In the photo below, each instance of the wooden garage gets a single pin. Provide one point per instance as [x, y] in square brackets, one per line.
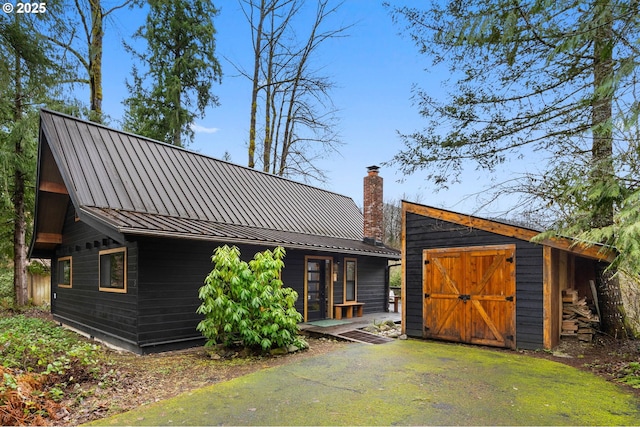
[479, 281]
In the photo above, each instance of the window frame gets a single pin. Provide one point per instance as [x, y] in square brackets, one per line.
[58, 270]
[101, 288]
[346, 280]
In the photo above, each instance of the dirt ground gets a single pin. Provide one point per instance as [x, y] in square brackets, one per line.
[129, 380]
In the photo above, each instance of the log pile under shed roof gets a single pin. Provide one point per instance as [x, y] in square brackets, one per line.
[577, 318]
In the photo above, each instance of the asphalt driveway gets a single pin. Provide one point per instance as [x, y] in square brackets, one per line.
[404, 383]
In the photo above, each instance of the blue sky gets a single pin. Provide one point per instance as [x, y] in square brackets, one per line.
[374, 69]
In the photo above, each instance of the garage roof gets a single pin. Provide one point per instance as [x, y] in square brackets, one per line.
[592, 251]
[126, 184]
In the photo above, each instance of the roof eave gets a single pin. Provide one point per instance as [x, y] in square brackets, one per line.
[596, 252]
[236, 240]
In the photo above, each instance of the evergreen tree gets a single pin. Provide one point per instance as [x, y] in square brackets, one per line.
[535, 76]
[27, 74]
[180, 67]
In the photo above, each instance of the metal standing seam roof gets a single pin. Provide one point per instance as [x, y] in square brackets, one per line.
[140, 186]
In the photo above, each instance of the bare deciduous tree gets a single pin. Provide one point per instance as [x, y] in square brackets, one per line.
[288, 94]
[87, 45]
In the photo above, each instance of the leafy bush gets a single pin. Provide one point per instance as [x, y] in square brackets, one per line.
[246, 303]
[38, 268]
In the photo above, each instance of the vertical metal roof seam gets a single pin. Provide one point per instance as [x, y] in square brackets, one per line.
[50, 133]
[110, 171]
[269, 190]
[270, 213]
[57, 151]
[123, 174]
[148, 202]
[239, 198]
[168, 180]
[181, 186]
[90, 168]
[296, 195]
[154, 175]
[248, 195]
[202, 196]
[214, 196]
[224, 194]
[191, 178]
[75, 167]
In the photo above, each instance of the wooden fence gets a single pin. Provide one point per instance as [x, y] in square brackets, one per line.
[39, 288]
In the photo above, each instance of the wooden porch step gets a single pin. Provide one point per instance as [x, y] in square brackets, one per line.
[364, 337]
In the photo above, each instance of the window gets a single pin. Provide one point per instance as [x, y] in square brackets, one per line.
[64, 272]
[350, 279]
[113, 270]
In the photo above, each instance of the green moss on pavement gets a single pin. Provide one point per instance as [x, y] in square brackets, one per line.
[405, 382]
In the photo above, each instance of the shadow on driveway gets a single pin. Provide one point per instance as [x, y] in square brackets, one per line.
[404, 382]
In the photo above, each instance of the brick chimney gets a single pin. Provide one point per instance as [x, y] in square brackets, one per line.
[373, 225]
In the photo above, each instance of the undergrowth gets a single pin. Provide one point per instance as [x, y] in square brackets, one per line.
[39, 361]
[631, 375]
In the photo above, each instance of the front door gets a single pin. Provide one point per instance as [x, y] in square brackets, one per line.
[318, 288]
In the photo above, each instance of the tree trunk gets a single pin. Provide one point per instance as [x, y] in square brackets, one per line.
[19, 226]
[95, 60]
[602, 173]
[19, 233]
[257, 52]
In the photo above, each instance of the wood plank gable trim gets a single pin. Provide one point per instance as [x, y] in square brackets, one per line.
[589, 251]
[49, 238]
[53, 187]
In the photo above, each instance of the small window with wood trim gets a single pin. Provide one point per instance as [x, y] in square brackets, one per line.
[64, 272]
[112, 270]
[350, 280]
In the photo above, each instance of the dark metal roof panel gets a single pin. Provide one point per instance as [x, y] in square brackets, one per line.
[127, 222]
[115, 170]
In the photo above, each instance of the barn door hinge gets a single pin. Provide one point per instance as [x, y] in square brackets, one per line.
[510, 259]
[426, 261]
[509, 298]
[464, 298]
[426, 328]
[427, 295]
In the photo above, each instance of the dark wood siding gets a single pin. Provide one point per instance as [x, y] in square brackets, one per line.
[429, 233]
[158, 311]
[172, 271]
[105, 315]
[371, 284]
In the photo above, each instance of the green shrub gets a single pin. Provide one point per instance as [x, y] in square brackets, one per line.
[246, 303]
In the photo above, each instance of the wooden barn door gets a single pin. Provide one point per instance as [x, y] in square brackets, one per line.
[469, 295]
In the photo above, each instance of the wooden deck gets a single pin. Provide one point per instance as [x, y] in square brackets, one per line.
[349, 329]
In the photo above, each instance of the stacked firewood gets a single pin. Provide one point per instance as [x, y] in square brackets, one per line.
[577, 318]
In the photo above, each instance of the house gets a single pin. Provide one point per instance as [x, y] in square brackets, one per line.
[480, 281]
[130, 225]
